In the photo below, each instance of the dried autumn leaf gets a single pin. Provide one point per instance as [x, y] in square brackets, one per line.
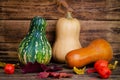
[43, 75]
[90, 70]
[37, 67]
[113, 66]
[54, 75]
[64, 75]
[79, 71]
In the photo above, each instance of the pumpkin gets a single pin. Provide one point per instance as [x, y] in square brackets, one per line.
[67, 37]
[35, 46]
[96, 50]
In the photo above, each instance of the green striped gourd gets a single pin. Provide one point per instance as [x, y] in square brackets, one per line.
[35, 46]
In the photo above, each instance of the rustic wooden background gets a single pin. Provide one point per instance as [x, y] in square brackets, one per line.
[98, 18]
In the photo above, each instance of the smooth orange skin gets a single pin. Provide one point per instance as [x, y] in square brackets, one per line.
[98, 49]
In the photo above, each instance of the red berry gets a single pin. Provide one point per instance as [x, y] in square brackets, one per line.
[100, 63]
[101, 67]
[104, 72]
[9, 68]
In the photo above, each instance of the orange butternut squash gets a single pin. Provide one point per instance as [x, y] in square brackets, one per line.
[97, 49]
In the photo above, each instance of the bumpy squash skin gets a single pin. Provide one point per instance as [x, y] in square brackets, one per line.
[98, 49]
[35, 46]
[67, 38]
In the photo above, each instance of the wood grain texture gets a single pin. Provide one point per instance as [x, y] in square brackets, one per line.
[13, 31]
[83, 9]
[98, 18]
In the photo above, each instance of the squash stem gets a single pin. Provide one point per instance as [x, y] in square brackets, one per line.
[69, 16]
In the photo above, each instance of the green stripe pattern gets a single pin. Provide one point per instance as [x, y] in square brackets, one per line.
[35, 46]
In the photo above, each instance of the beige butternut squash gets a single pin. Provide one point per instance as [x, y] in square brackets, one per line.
[67, 37]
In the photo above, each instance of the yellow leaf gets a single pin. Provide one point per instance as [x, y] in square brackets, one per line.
[113, 66]
[79, 71]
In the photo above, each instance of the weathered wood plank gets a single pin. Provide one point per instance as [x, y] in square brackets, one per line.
[83, 9]
[9, 46]
[13, 31]
[9, 28]
[9, 52]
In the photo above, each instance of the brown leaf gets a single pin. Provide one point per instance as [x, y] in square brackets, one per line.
[43, 75]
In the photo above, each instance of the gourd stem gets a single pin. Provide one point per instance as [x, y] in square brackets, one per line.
[69, 16]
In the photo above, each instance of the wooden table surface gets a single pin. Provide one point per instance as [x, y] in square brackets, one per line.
[33, 76]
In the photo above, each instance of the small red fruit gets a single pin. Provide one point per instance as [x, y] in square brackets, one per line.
[100, 63]
[101, 66]
[9, 68]
[104, 72]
